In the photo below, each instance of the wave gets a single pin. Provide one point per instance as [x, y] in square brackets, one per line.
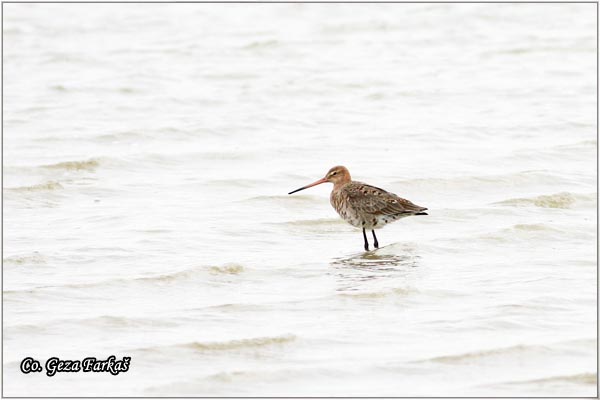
[28, 259]
[120, 321]
[475, 355]
[478, 182]
[520, 232]
[315, 222]
[183, 275]
[533, 228]
[228, 269]
[586, 378]
[231, 76]
[579, 385]
[378, 295]
[319, 226]
[557, 200]
[239, 344]
[237, 183]
[285, 198]
[244, 380]
[166, 278]
[261, 44]
[86, 165]
[284, 201]
[389, 257]
[362, 27]
[103, 321]
[591, 144]
[120, 136]
[231, 269]
[52, 185]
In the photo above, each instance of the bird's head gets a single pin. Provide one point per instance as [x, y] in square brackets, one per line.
[337, 175]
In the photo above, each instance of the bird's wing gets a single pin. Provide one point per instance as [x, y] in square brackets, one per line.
[376, 201]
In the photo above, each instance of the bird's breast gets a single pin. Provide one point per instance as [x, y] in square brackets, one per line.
[341, 203]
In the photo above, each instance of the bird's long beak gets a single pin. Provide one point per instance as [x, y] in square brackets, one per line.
[322, 180]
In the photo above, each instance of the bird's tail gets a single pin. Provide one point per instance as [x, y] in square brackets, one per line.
[422, 211]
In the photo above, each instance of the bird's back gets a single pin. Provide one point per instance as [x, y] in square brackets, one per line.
[367, 206]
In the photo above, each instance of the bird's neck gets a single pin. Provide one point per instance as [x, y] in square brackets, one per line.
[339, 185]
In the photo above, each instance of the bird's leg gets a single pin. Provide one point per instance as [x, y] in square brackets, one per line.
[366, 242]
[376, 243]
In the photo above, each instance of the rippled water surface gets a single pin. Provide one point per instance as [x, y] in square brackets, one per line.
[149, 149]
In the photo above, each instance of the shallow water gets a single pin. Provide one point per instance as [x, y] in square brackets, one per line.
[148, 150]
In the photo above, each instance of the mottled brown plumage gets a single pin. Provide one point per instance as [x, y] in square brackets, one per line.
[365, 206]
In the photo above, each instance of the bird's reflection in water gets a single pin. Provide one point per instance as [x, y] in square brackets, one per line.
[374, 270]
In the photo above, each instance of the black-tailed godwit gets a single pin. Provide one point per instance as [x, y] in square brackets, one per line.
[364, 206]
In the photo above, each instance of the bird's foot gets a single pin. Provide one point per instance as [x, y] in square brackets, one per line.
[375, 241]
[366, 247]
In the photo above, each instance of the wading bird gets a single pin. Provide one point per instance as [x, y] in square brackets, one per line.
[364, 206]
